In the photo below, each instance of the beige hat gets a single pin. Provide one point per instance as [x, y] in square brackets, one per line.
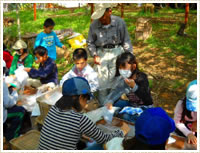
[100, 9]
[20, 44]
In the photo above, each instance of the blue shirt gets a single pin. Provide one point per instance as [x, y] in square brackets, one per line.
[49, 41]
[47, 72]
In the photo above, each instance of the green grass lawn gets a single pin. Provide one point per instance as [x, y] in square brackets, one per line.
[163, 36]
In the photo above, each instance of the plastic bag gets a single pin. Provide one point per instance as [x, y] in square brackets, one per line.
[21, 76]
[97, 114]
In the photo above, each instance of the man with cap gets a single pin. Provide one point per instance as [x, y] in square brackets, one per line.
[21, 58]
[64, 123]
[185, 114]
[108, 37]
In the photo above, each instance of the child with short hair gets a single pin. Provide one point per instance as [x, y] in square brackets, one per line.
[21, 58]
[185, 113]
[49, 39]
[47, 71]
[82, 69]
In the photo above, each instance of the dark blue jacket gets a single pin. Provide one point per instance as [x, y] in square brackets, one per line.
[47, 72]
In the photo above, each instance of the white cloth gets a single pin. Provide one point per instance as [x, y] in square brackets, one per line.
[88, 73]
[41, 87]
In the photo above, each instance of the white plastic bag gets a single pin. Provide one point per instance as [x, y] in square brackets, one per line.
[21, 76]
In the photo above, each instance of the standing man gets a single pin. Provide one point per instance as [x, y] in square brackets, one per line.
[108, 37]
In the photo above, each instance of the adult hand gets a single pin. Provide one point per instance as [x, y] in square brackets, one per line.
[27, 69]
[97, 60]
[130, 82]
[125, 128]
[64, 47]
[109, 106]
[192, 139]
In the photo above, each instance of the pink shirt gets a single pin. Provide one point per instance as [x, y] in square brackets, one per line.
[177, 118]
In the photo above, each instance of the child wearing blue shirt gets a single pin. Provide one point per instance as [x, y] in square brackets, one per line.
[47, 72]
[49, 39]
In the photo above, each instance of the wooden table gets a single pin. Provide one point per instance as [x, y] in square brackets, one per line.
[180, 144]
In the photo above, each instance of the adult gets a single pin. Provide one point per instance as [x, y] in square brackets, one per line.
[108, 37]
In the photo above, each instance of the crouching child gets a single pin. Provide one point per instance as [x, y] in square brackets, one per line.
[47, 72]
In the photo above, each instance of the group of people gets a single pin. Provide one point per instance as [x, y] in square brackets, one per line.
[117, 80]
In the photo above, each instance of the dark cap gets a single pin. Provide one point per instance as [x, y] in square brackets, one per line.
[76, 86]
[154, 126]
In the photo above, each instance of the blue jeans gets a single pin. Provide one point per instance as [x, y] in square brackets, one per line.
[95, 146]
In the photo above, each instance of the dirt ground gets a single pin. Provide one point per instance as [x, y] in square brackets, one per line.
[164, 72]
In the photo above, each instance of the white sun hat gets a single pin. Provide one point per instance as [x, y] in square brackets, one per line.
[100, 9]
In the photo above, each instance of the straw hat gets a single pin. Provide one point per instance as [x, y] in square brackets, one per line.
[100, 9]
[20, 44]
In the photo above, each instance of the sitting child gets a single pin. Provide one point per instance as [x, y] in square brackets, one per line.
[12, 114]
[49, 39]
[185, 113]
[64, 123]
[152, 130]
[132, 83]
[22, 57]
[82, 69]
[47, 71]
[7, 57]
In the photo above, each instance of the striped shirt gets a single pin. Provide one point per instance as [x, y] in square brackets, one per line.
[63, 129]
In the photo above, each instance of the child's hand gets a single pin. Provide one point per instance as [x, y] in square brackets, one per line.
[27, 69]
[192, 139]
[64, 47]
[130, 82]
[109, 106]
[125, 128]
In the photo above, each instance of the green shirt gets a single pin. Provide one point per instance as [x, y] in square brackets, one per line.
[27, 62]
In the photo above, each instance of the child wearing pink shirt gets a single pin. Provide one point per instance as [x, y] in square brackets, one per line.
[186, 113]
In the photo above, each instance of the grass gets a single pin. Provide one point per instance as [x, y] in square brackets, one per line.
[163, 36]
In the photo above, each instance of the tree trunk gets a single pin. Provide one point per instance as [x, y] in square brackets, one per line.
[186, 13]
[183, 26]
[92, 9]
[18, 21]
[176, 5]
[34, 6]
[122, 10]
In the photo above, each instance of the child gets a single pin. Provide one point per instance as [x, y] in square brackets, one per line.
[21, 58]
[186, 113]
[64, 123]
[7, 57]
[12, 114]
[49, 39]
[152, 130]
[47, 71]
[82, 69]
[131, 82]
